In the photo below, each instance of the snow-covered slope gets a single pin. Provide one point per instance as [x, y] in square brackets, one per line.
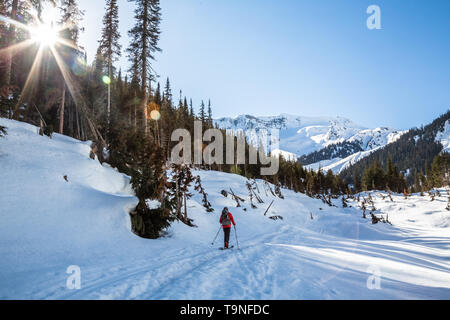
[304, 135]
[337, 164]
[298, 135]
[49, 224]
[443, 136]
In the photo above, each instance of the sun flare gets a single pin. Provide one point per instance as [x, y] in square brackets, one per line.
[45, 35]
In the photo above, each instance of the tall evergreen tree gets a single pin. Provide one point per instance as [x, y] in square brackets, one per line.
[168, 93]
[202, 114]
[10, 41]
[191, 109]
[71, 17]
[440, 172]
[210, 121]
[144, 45]
[109, 43]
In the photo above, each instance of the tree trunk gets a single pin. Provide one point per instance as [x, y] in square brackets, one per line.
[145, 112]
[83, 131]
[71, 132]
[178, 200]
[61, 114]
[185, 206]
[11, 40]
[109, 92]
[77, 123]
[135, 111]
[144, 66]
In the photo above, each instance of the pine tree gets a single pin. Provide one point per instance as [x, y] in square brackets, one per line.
[109, 43]
[71, 17]
[144, 45]
[168, 98]
[157, 97]
[182, 179]
[199, 188]
[209, 120]
[202, 114]
[11, 40]
[440, 171]
[191, 109]
[417, 186]
[185, 110]
[168, 116]
[356, 180]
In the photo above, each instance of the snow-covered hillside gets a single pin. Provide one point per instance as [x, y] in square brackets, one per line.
[443, 136]
[298, 135]
[337, 164]
[314, 252]
[304, 135]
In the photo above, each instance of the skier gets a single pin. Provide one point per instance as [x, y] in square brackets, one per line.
[226, 219]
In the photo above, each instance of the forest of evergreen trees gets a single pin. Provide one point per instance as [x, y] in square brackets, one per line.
[338, 150]
[127, 114]
[414, 163]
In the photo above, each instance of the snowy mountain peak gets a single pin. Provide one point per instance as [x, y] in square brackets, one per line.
[282, 122]
[300, 136]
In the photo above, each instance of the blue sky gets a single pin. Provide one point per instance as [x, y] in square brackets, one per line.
[304, 57]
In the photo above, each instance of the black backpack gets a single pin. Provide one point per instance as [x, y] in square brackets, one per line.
[225, 218]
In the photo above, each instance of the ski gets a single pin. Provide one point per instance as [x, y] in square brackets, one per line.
[222, 248]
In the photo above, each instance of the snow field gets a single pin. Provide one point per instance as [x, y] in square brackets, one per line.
[49, 224]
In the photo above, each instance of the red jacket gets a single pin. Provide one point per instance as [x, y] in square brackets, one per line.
[230, 216]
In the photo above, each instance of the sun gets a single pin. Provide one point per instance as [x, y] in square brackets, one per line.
[45, 35]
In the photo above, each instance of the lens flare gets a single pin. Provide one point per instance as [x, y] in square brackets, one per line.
[155, 115]
[45, 35]
[106, 80]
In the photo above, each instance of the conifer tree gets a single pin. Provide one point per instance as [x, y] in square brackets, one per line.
[109, 43]
[144, 45]
[417, 187]
[157, 97]
[199, 188]
[191, 109]
[10, 41]
[168, 93]
[356, 180]
[440, 171]
[202, 114]
[210, 121]
[71, 17]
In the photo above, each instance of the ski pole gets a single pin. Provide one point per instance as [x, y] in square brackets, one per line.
[216, 237]
[235, 233]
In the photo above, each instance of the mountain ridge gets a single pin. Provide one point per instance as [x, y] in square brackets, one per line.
[304, 137]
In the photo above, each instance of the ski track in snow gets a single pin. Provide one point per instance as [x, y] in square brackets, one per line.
[49, 224]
